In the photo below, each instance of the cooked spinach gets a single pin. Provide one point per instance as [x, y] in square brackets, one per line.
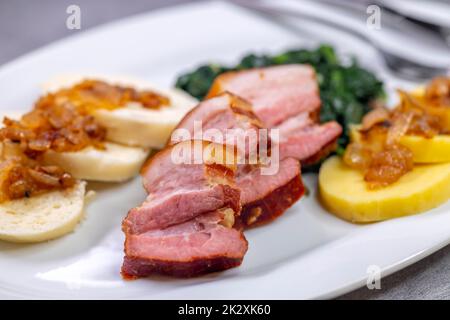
[346, 90]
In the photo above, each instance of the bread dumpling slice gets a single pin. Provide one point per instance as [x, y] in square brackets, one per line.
[133, 124]
[115, 163]
[42, 217]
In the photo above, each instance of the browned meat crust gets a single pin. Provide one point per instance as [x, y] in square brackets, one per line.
[273, 205]
[133, 268]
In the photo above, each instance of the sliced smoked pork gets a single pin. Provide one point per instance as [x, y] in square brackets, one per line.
[276, 93]
[263, 197]
[285, 97]
[302, 139]
[186, 226]
[178, 192]
[226, 114]
[198, 246]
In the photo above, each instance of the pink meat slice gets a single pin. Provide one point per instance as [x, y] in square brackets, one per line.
[188, 249]
[180, 192]
[178, 207]
[227, 116]
[301, 138]
[309, 141]
[255, 186]
[276, 93]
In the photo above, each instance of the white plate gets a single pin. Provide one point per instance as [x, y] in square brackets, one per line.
[307, 253]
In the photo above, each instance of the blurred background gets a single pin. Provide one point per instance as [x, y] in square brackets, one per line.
[26, 25]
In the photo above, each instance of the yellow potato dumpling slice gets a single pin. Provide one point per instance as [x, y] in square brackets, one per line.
[425, 150]
[434, 150]
[344, 192]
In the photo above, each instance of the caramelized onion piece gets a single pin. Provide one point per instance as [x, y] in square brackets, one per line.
[357, 156]
[19, 179]
[389, 165]
[377, 115]
[40, 144]
[43, 178]
[399, 126]
[438, 92]
[428, 120]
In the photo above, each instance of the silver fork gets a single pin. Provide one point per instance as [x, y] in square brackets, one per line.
[399, 62]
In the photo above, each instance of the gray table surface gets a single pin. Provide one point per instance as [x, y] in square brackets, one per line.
[26, 25]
